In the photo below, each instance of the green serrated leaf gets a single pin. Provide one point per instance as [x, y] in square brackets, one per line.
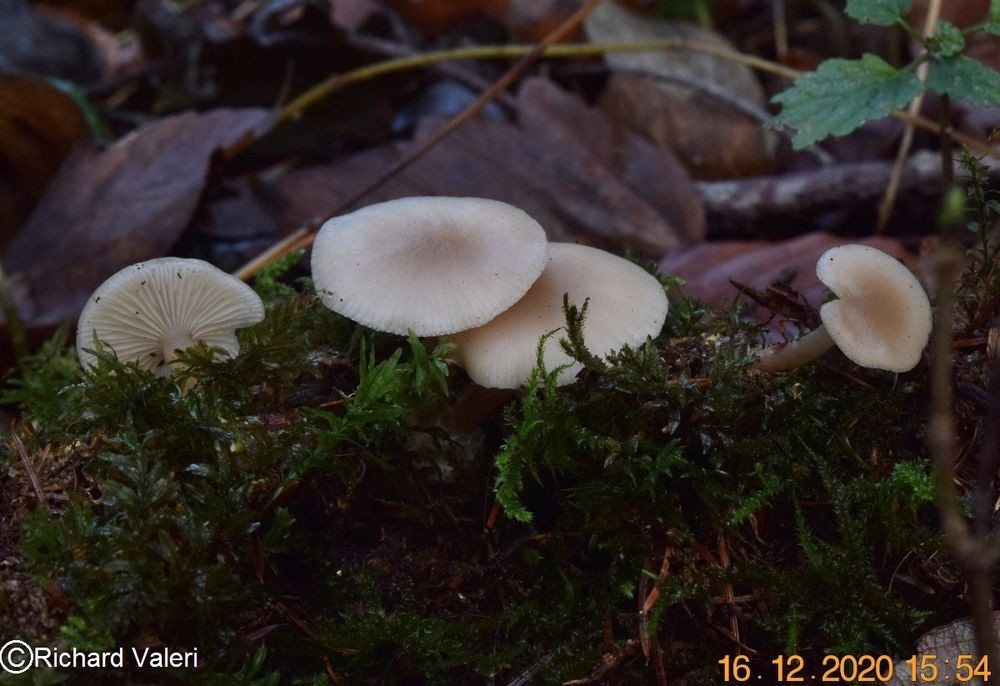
[881, 12]
[994, 25]
[948, 41]
[964, 78]
[841, 95]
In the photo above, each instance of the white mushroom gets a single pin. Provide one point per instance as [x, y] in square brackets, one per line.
[626, 305]
[430, 265]
[881, 318]
[148, 311]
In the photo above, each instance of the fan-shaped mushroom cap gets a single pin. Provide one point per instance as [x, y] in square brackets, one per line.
[626, 305]
[433, 265]
[148, 310]
[882, 317]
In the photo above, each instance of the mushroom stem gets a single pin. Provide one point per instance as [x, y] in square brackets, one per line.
[173, 343]
[803, 350]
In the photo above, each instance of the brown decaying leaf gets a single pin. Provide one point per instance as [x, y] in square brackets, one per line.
[531, 20]
[437, 16]
[118, 53]
[39, 125]
[111, 14]
[110, 208]
[31, 42]
[351, 15]
[708, 268]
[713, 141]
[564, 165]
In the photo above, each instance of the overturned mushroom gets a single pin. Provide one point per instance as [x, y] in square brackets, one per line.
[148, 311]
[626, 305]
[881, 318]
[430, 265]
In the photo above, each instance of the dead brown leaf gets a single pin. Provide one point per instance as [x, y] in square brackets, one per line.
[437, 16]
[39, 125]
[34, 43]
[563, 164]
[673, 98]
[111, 14]
[109, 208]
[351, 15]
[118, 53]
[532, 20]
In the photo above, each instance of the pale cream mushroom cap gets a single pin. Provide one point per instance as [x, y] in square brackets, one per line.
[428, 264]
[882, 317]
[148, 310]
[627, 305]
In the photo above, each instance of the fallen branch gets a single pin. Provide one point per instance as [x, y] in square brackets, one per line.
[734, 206]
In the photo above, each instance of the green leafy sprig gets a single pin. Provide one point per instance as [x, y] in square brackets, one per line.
[842, 94]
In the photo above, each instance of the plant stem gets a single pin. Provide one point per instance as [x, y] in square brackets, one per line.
[947, 152]
[976, 553]
[492, 52]
[889, 199]
[802, 350]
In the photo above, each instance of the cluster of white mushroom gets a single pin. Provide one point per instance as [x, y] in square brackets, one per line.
[483, 273]
[477, 269]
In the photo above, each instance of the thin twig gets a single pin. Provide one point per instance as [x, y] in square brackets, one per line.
[527, 55]
[976, 553]
[889, 199]
[285, 246]
[28, 467]
[451, 70]
[780, 31]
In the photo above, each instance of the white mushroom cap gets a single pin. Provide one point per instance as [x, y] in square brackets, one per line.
[148, 310]
[433, 265]
[626, 305]
[882, 317]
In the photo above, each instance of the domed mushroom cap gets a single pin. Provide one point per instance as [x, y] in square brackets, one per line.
[882, 317]
[433, 265]
[148, 310]
[626, 305]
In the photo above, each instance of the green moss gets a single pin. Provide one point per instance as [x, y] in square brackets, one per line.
[301, 509]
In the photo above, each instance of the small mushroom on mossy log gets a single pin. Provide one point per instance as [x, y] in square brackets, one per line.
[881, 318]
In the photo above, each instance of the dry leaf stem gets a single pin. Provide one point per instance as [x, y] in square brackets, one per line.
[494, 52]
[979, 551]
[891, 191]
